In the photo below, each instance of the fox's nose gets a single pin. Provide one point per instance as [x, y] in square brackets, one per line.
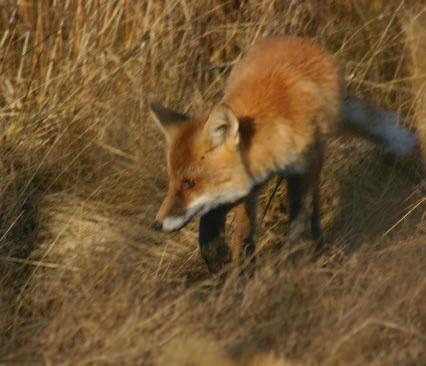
[157, 225]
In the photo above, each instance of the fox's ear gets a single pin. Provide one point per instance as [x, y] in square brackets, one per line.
[222, 124]
[166, 118]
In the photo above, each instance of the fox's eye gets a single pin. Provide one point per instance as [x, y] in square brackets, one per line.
[188, 184]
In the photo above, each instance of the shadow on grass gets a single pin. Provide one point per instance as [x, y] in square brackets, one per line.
[377, 197]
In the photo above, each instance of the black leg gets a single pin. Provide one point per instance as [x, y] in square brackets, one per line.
[296, 192]
[211, 239]
[303, 206]
[315, 215]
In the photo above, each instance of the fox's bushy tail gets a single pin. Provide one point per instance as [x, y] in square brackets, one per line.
[378, 125]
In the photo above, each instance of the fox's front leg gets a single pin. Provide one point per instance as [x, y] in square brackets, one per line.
[211, 239]
[243, 240]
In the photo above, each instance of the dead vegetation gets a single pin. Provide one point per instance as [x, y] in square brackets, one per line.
[83, 279]
[416, 31]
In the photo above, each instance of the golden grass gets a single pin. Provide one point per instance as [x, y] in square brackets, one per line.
[416, 30]
[84, 281]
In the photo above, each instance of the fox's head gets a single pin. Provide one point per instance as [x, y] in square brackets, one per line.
[204, 164]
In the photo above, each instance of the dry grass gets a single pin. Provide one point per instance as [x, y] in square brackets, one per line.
[416, 30]
[83, 280]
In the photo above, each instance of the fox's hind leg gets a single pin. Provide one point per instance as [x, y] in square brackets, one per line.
[314, 180]
[303, 204]
[315, 224]
[297, 188]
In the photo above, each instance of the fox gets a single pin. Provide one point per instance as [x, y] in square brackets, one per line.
[282, 101]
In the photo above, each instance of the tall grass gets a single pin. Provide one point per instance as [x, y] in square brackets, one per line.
[416, 31]
[83, 280]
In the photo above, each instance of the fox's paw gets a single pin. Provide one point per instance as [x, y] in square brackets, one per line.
[216, 254]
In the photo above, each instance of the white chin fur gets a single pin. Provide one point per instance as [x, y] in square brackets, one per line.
[174, 223]
[200, 207]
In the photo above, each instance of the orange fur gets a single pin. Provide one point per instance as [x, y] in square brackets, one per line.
[289, 90]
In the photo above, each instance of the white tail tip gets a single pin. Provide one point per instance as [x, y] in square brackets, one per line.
[397, 141]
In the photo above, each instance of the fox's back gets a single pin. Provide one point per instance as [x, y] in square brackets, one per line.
[288, 79]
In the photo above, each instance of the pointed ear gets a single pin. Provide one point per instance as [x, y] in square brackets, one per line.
[221, 125]
[166, 118]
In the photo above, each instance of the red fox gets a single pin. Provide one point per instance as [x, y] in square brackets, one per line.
[282, 101]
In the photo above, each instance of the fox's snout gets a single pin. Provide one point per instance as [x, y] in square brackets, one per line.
[171, 215]
[172, 205]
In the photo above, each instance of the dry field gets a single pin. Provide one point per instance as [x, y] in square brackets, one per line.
[83, 278]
